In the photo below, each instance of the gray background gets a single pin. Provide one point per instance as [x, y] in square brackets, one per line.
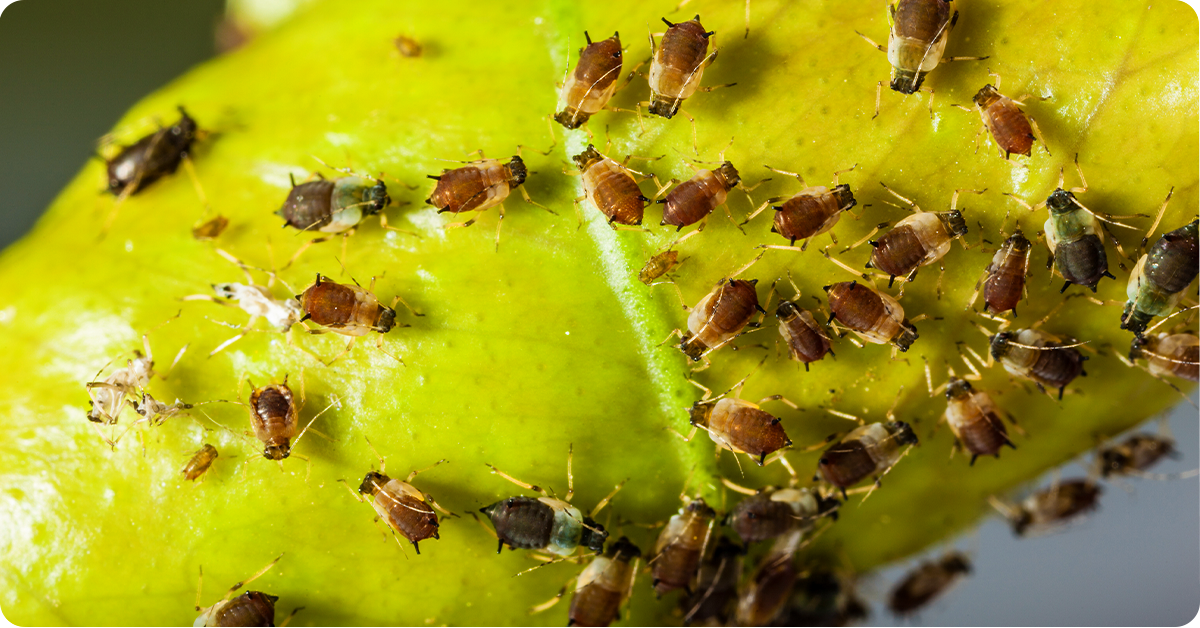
[70, 68]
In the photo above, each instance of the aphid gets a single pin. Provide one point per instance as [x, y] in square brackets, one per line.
[678, 64]
[1161, 276]
[254, 300]
[680, 546]
[822, 597]
[810, 212]
[975, 420]
[211, 228]
[274, 419]
[1046, 360]
[588, 89]
[333, 206]
[868, 450]
[1003, 283]
[479, 186]
[348, 310]
[920, 30]
[199, 463]
[1012, 130]
[546, 523]
[765, 595]
[1134, 455]
[805, 340]
[740, 426]
[1050, 508]
[1169, 355]
[928, 581]
[872, 315]
[771, 512]
[406, 509]
[152, 157]
[605, 585]
[611, 188]
[662, 262]
[694, 199]
[252, 608]
[720, 316]
[407, 46]
[716, 585]
[917, 240]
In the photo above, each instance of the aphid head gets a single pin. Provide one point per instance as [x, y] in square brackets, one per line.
[729, 174]
[185, 128]
[593, 535]
[386, 320]
[828, 507]
[277, 450]
[571, 117]
[692, 347]
[700, 508]
[1113, 462]
[1018, 242]
[1001, 344]
[699, 412]
[958, 388]
[516, 169]
[1022, 522]
[665, 107]
[954, 222]
[1135, 320]
[588, 157]
[902, 432]
[225, 290]
[986, 96]
[845, 198]
[907, 81]
[1061, 201]
[787, 310]
[623, 550]
[906, 336]
[376, 198]
[372, 482]
[956, 563]
[1140, 345]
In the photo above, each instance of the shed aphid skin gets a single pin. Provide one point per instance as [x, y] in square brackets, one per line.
[1050, 509]
[1045, 359]
[716, 586]
[479, 186]
[677, 66]
[1168, 355]
[1003, 282]
[740, 426]
[805, 339]
[1162, 275]
[1012, 130]
[611, 188]
[808, 213]
[916, 43]
[720, 316]
[975, 420]
[546, 524]
[681, 546]
[928, 581]
[1072, 234]
[917, 240]
[254, 300]
[349, 311]
[199, 463]
[588, 89]
[406, 509]
[763, 597]
[252, 608]
[603, 587]
[875, 317]
[869, 450]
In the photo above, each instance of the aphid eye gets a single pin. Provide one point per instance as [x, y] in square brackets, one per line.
[511, 502]
[617, 54]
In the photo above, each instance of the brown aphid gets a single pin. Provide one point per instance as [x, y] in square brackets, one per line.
[605, 585]
[1051, 508]
[210, 229]
[806, 342]
[1005, 121]
[716, 586]
[1169, 355]
[407, 510]
[1004, 281]
[680, 547]
[868, 450]
[824, 598]
[694, 199]
[678, 65]
[720, 317]
[741, 427]
[611, 188]
[588, 89]
[199, 463]
[252, 608]
[919, 239]
[874, 316]
[928, 581]
[274, 419]
[345, 309]
[151, 157]
[920, 30]
[765, 595]
[772, 512]
[1038, 357]
[810, 212]
[477, 186]
[408, 47]
[1135, 455]
[975, 420]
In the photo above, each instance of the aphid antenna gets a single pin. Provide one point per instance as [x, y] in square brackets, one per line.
[235, 587]
[847, 268]
[607, 498]
[844, 415]
[1159, 323]
[911, 204]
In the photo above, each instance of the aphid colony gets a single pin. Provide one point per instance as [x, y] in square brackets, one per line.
[692, 553]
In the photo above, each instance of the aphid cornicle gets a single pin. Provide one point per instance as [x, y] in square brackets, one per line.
[274, 419]
[611, 188]
[917, 240]
[678, 65]
[716, 586]
[1161, 276]
[345, 309]
[604, 586]
[1169, 355]
[593, 82]
[199, 462]
[872, 315]
[1004, 282]
[741, 427]
[694, 199]
[406, 509]
[975, 420]
[151, 157]
[1038, 357]
[719, 317]
[927, 581]
[252, 608]
[806, 342]
[772, 512]
[1051, 508]
[681, 545]
[867, 450]
[333, 206]
[1134, 455]
[1005, 121]
[810, 212]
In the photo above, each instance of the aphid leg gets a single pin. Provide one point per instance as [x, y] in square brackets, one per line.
[526, 486]
[878, 93]
[1162, 209]
[235, 587]
[288, 619]
[860, 275]
[545, 606]
[1023, 203]
[849, 417]
[607, 498]
[1037, 134]
[383, 222]
[780, 398]
[872, 42]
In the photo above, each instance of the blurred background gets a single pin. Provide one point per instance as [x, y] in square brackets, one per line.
[70, 68]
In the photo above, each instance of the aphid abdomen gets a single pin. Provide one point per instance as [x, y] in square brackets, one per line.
[677, 67]
[1176, 355]
[981, 433]
[595, 604]
[475, 187]
[758, 518]
[694, 199]
[406, 511]
[151, 157]
[856, 306]
[680, 547]
[1006, 283]
[200, 462]
[846, 463]
[347, 310]
[800, 330]
[252, 608]
[522, 522]
[614, 192]
[723, 313]
[807, 214]
[926, 582]
[1009, 126]
[1082, 261]
[770, 590]
[746, 428]
[1056, 368]
[308, 205]
[1174, 260]
[898, 252]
